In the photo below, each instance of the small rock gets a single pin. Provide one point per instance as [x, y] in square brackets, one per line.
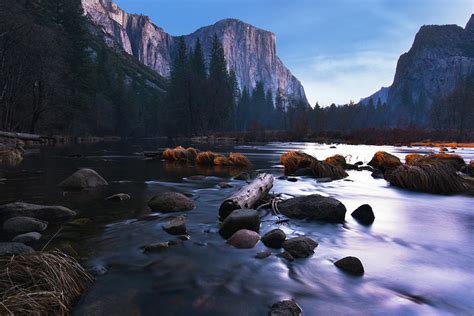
[286, 255]
[324, 180]
[244, 239]
[119, 197]
[13, 248]
[351, 265]
[359, 163]
[300, 247]
[171, 202]
[224, 185]
[285, 308]
[47, 213]
[263, 254]
[274, 238]
[315, 207]
[23, 224]
[83, 179]
[240, 219]
[156, 246]
[196, 178]
[282, 177]
[176, 226]
[27, 237]
[332, 147]
[292, 179]
[364, 214]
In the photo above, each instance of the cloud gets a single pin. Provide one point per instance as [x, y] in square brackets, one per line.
[344, 77]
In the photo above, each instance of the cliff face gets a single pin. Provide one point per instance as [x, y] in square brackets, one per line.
[249, 51]
[440, 57]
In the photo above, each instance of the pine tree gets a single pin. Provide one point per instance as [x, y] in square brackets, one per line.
[269, 115]
[198, 77]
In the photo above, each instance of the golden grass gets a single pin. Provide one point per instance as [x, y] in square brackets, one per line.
[384, 161]
[220, 161]
[430, 177]
[180, 154]
[410, 158]
[322, 169]
[456, 161]
[238, 160]
[206, 158]
[295, 160]
[451, 145]
[337, 161]
[40, 283]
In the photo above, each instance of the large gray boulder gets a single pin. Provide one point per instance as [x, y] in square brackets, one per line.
[170, 202]
[23, 224]
[83, 179]
[300, 247]
[13, 248]
[43, 212]
[240, 219]
[314, 207]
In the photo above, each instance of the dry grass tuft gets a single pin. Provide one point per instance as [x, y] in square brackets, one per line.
[322, 169]
[426, 176]
[337, 161]
[238, 160]
[220, 161]
[207, 158]
[410, 158]
[180, 154]
[40, 283]
[295, 160]
[384, 161]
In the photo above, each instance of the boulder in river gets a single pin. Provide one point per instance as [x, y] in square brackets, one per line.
[27, 237]
[285, 308]
[244, 239]
[176, 226]
[83, 179]
[240, 219]
[364, 214]
[168, 202]
[23, 224]
[300, 247]
[119, 197]
[13, 248]
[384, 161]
[351, 265]
[274, 238]
[43, 212]
[315, 207]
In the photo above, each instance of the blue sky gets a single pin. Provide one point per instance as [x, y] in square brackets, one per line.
[341, 50]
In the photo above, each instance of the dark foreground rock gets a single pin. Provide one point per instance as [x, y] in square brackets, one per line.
[351, 265]
[274, 238]
[300, 247]
[13, 248]
[83, 179]
[315, 207]
[23, 224]
[119, 197]
[240, 219]
[176, 226]
[285, 308]
[170, 202]
[364, 214]
[244, 239]
[47, 213]
[27, 237]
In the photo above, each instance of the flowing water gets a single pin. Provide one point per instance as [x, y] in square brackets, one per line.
[418, 254]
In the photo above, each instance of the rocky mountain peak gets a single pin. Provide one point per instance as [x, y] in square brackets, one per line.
[470, 24]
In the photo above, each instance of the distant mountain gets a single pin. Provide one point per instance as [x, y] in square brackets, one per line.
[249, 51]
[381, 95]
[441, 57]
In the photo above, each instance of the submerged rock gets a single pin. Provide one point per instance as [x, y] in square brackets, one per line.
[13, 248]
[119, 197]
[244, 239]
[285, 308]
[315, 207]
[83, 179]
[27, 237]
[351, 265]
[157, 246]
[300, 247]
[170, 202]
[364, 214]
[23, 224]
[47, 213]
[274, 238]
[224, 185]
[240, 219]
[176, 226]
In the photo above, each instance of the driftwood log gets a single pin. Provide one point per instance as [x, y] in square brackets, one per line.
[247, 196]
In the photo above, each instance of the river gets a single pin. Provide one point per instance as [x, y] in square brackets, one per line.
[418, 254]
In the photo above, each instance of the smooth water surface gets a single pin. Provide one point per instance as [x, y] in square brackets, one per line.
[418, 254]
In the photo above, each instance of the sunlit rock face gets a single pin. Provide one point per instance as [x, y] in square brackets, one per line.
[249, 51]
